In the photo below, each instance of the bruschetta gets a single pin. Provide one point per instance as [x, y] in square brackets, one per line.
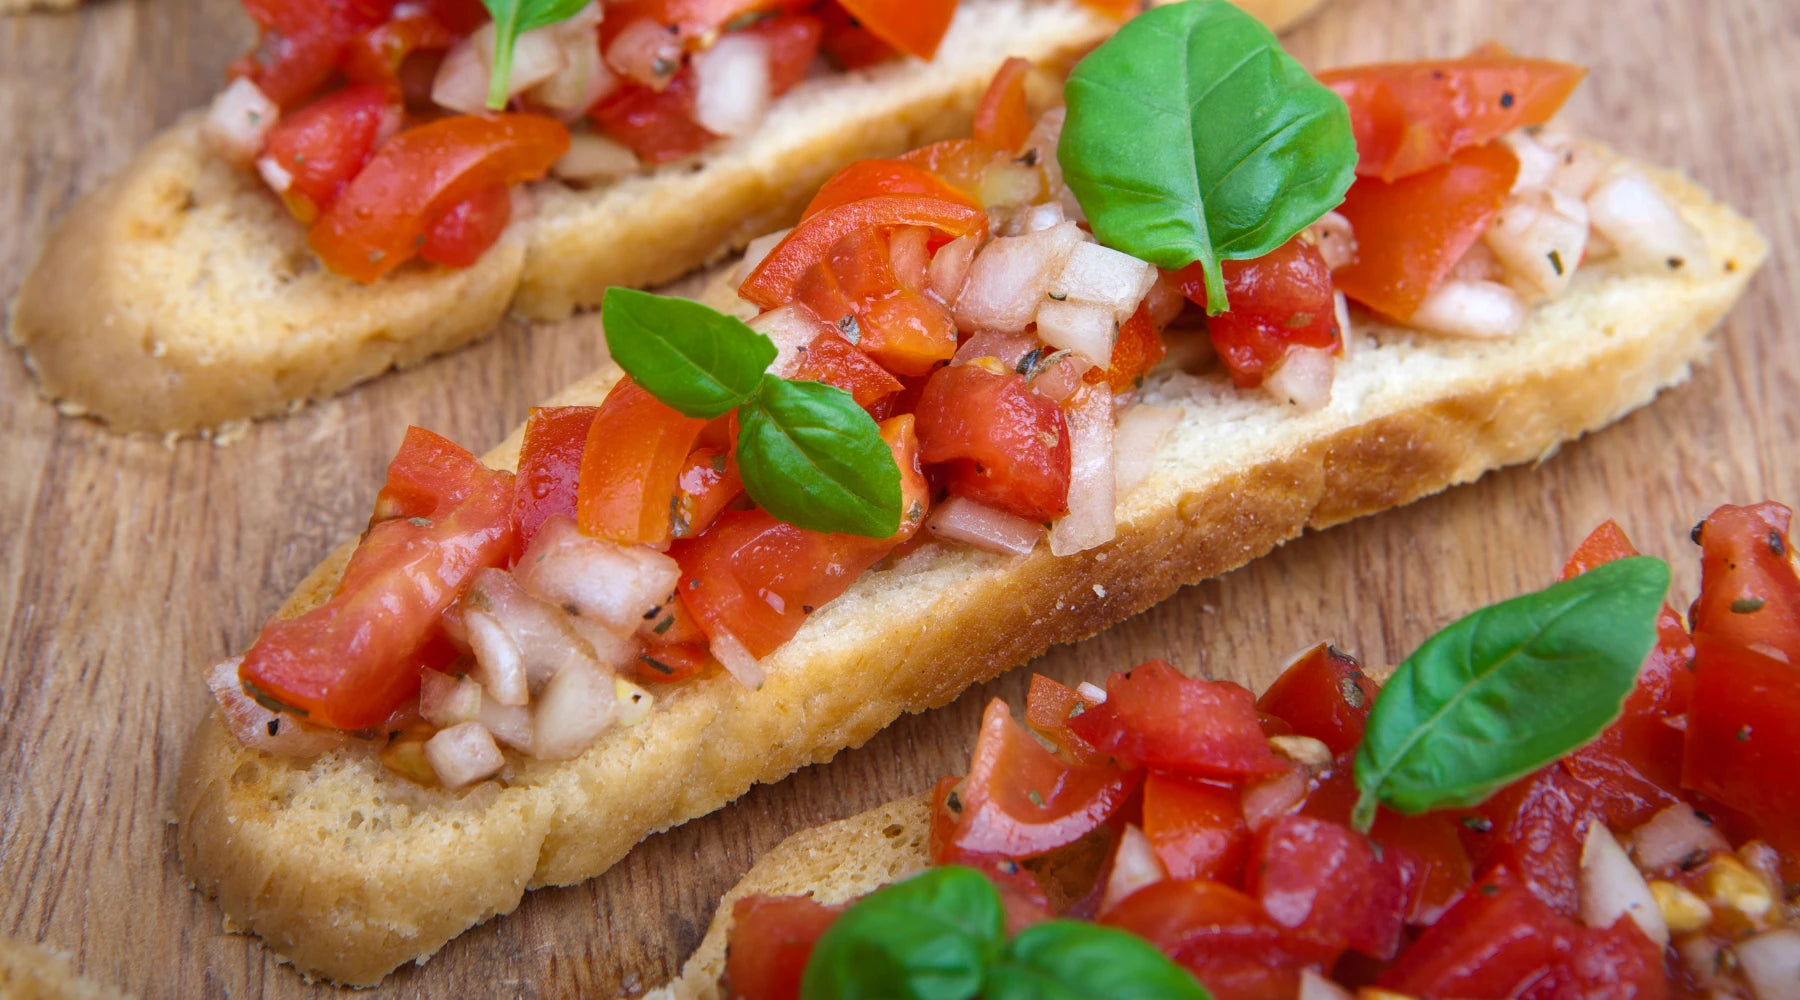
[944, 438]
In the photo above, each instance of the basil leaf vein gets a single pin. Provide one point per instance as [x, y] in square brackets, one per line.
[1252, 151]
[1070, 960]
[513, 18]
[698, 360]
[930, 937]
[813, 458]
[1508, 689]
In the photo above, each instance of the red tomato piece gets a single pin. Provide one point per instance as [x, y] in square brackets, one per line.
[1741, 746]
[964, 163]
[1048, 708]
[1279, 301]
[757, 578]
[771, 939]
[855, 289]
[1197, 828]
[1020, 800]
[1749, 595]
[910, 26]
[870, 178]
[994, 440]
[793, 42]
[695, 20]
[1322, 881]
[671, 662]
[708, 483]
[834, 361]
[1138, 349]
[301, 44]
[376, 56]
[324, 144]
[353, 660]
[1220, 935]
[1324, 694]
[849, 43]
[774, 280]
[1002, 122]
[658, 125]
[463, 233]
[383, 215]
[1426, 852]
[1155, 717]
[549, 467]
[636, 449]
[1410, 117]
[1410, 233]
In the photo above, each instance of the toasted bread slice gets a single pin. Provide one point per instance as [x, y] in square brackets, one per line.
[181, 296]
[347, 870]
[33, 972]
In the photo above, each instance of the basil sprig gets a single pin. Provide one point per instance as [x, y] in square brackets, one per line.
[1191, 136]
[513, 18]
[941, 935]
[807, 453]
[1508, 689]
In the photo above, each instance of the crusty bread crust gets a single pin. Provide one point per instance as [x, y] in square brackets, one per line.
[181, 296]
[347, 870]
[34, 972]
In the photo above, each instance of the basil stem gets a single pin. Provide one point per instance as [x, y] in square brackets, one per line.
[513, 18]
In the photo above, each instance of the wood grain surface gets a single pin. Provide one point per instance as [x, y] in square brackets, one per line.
[127, 565]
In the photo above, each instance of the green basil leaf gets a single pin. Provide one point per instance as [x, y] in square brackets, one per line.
[1069, 960]
[513, 18]
[930, 937]
[1508, 689]
[813, 458]
[1191, 136]
[694, 358]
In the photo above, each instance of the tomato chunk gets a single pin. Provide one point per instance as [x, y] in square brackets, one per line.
[1138, 349]
[1741, 746]
[1197, 828]
[1280, 301]
[1749, 595]
[1426, 852]
[1048, 708]
[658, 125]
[324, 144]
[631, 466]
[870, 178]
[912, 26]
[1220, 935]
[1002, 121]
[1155, 717]
[549, 467]
[353, 660]
[1322, 881]
[835, 361]
[464, 232]
[856, 289]
[1325, 695]
[774, 280]
[994, 440]
[709, 481]
[771, 939]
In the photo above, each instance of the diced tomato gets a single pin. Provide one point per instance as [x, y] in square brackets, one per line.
[1138, 349]
[696, 20]
[1325, 695]
[964, 164]
[1322, 881]
[631, 466]
[1425, 851]
[658, 125]
[992, 439]
[757, 578]
[302, 44]
[464, 232]
[1048, 708]
[353, 660]
[324, 144]
[1002, 121]
[1220, 935]
[834, 361]
[869, 178]
[1020, 800]
[1155, 717]
[1741, 729]
[856, 289]
[774, 280]
[1410, 233]
[771, 939]
[1411, 117]
[549, 467]
[668, 663]
[382, 216]
[849, 43]
[708, 482]
[1279, 301]
[793, 42]
[1749, 595]
[376, 56]
[912, 26]
[1197, 828]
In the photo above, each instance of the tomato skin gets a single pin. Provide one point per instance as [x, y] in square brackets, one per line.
[1138, 349]
[1324, 694]
[834, 361]
[464, 232]
[771, 939]
[1410, 233]
[1280, 301]
[350, 662]
[1002, 122]
[1323, 882]
[301, 45]
[1048, 708]
[658, 125]
[376, 56]
[1425, 852]
[1410, 117]
[870, 178]
[963, 163]
[774, 280]
[793, 42]
[1155, 717]
[1220, 935]
[996, 441]
[324, 144]
[1741, 747]
[855, 289]
[672, 662]
[631, 465]
[849, 43]
[379, 220]
[1001, 817]
[911, 26]
[549, 467]
[708, 482]
[1749, 594]
[1197, 828]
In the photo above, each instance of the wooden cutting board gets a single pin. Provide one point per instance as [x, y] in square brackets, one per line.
[127, 565]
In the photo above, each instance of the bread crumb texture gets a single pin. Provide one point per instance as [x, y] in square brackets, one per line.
[34, 972]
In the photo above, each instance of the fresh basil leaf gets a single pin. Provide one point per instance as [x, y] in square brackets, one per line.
[930, 937]
[1508, 689]
[696, 359]
[1070, 960]
[513, 18]
[813, 458]
[1191, 136]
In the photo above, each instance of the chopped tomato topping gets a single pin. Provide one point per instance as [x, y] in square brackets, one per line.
[636, 449]
[461, 235]
[708, 482]
[775, 279]
[377, 56]
[1138, 349]
[856, 289]
[1279, 301]
[1324, 883]
[549, 467]
[1741, 726]
[658, 125]
[1219, 934]
[1002, 122]
[324, 144]
[1048, 708]
[965, 164]
[834, 361]
[1749, 594]
[912, 26]
[301, 44]
[668, 663]
[1425, 851]
[849, 42]
[869, 178]
[1156, 717]
[771, 939]
[1197, 828]
[793, 42]
[1324, 694]
[988, 437]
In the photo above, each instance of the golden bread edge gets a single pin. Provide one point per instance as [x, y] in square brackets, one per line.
[35, 972]
[334, 894]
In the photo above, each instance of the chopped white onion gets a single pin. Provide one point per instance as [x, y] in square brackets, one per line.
[1139, 433]
[1040, 145]
[732, 89]
[949, 268]
[1314, 986]
[1340, 309]
[610, 649]
[791, 326]
[1335, 239]
[1010, 277]
[1303, 379]
[239, 121]
[645, 51]
[960, 519]
[613, 584]
[1540, 236]
[1771, 962]
[1481, 309]
[446, 701]
[1060, 376]
[1646, 229]
[276, 176]
[463, 754]
[575, 708]
[1038, 218]
[1273, 798]
[1537, 162]
[732, 655]
[595, 159]
[584, 77]
[258, 728]
[538, 55]
[510, 724]
[1008, 183]
[1006, 347]
[1612, 887]
[1090, 520]
[543, 637]
[461, 83]
[1135, 865]
[1672, 836]
[1106, 277]
[910, 252]
[1086, 328]
[1580, 163]
[1091, 693]
[634, 702]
